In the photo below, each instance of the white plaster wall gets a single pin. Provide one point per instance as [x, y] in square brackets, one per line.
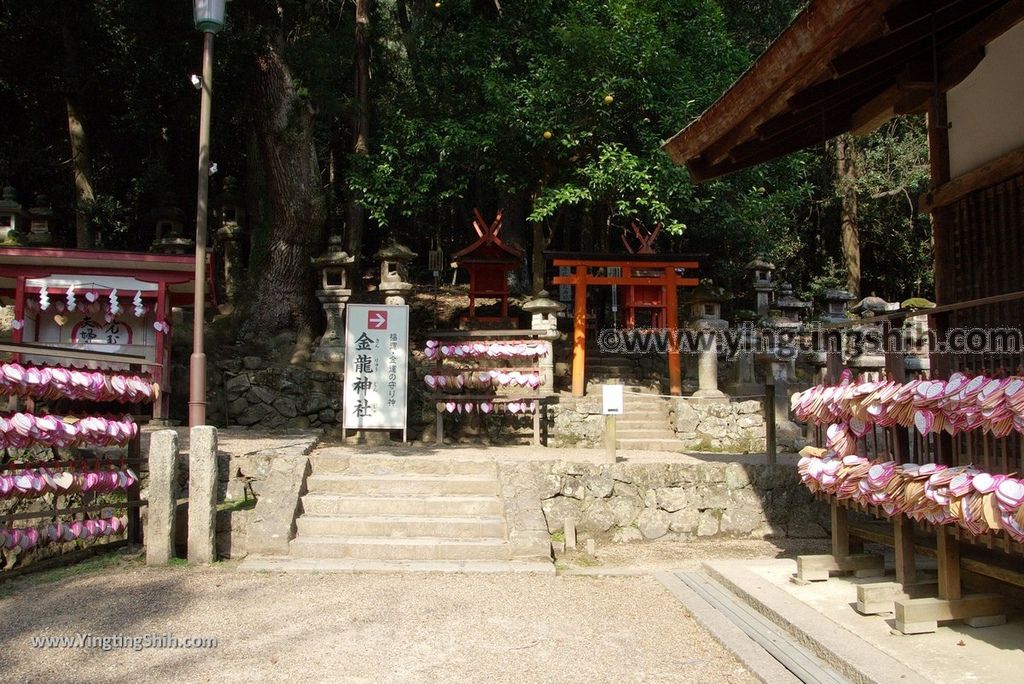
[986, 110]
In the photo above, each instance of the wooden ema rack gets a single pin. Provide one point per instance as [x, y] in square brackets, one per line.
[133, 458]
[535, 398]
[920, 602]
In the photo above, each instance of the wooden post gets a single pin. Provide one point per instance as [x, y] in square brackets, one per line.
[439, 427]
[675, 374]
[840, 530]
[610, 440]
[134, 511]
[579, 332]
[903, 540]
[18, 335]
[948, 553]
[769, 423]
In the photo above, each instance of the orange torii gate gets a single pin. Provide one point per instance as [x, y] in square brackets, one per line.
[658, 274]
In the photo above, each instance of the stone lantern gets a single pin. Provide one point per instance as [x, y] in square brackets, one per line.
[791, 309]
[394, 273]
[228, 236]
[706, 316]
[334, 268]
[170, 228]
[40, 223]
[12, 216]
[836, 301]
[544, 312]
[917, 330]
[867, 308]
[761, 277]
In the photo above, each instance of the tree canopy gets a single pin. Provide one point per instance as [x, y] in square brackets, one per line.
[552, 110]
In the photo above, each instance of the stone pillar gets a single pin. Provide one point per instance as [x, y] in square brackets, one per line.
[707, 363]
[163, 475]
[228, 236]
[745, 382]
[331, 349]
[202, 495]
[780, 376]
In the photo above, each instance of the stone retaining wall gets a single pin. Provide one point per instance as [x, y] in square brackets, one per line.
[625, 502]
[272, 397]
[731, 426]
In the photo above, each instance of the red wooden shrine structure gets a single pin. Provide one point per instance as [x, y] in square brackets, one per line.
[159, 280]
[489, 261]
[650, 283]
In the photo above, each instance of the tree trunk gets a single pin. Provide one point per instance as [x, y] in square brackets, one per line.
[284, 297]
[846, 177]
[81, 163]
[360, 124]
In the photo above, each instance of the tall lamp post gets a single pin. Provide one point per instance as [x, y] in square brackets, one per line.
[209, 18]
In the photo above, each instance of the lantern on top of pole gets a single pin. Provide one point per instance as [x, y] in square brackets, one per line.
[209, 18]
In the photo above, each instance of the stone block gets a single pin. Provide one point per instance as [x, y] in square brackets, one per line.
[261, 394]
[598, 517]
[707, 526]
[599, 485]
[286, 407]
[316, 402]
[573, 487]
[255, 413]
[672, 499]
[713, 495]
[736, 476]
[750, 421]
[740, 521]
[162, 495]
[653, 524]
[547, 485]
[558, 510]
[202, 494]
[625, 489]
[625, 509]
[747, 407]
[684, 521]
[237, 407]
[236, 386]
[252, 362]
[327, 417]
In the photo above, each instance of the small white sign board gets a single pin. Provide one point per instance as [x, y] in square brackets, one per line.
[376, 367]
[611, 400]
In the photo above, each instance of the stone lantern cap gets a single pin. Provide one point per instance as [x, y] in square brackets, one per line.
[871, 305]
[915, 303]
[9, 201]
[335, 256]
[396, 252]
[168, 210]
[542, 304]
[759, 264]
[708, 293]
[786, 299]
[836, 294]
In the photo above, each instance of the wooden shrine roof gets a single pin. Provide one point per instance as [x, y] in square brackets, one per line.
[842, 65]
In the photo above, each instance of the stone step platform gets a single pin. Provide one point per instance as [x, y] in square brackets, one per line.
[624, 423]
[377, 465]
[428, 505]
[393, 484]
[654, 444]
[646, 435]
[402, 526]
[407, 548]
[350, 565]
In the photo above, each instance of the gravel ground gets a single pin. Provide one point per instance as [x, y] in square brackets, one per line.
[360, 628]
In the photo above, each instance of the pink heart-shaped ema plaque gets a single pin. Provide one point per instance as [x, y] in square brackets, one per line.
[486, 407]
[450, 407]
[91, 296]
[17, 325]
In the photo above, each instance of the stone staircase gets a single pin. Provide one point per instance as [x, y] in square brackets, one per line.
[645, 424]
[383, 513]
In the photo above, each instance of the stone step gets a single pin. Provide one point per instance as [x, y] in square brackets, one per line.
[398, 526]
[408, 548]
[327, 504]
[627, 422]
[645, 435]
[386, 465]
[349, 565]
[427, 485]
[644, 444]
[645, 416]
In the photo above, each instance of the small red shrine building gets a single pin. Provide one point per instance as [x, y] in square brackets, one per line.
[489, 261]
[62, 298]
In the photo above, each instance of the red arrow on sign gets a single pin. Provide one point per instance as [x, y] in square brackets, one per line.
[378, 320]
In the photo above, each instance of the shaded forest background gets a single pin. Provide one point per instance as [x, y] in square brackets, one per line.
[393, 119]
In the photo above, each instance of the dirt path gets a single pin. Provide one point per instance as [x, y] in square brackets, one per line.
[359, 628]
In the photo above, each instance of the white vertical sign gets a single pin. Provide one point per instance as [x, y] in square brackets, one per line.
[376, 367]
[612, 400]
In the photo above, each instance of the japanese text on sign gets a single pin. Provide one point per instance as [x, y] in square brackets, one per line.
[376, 366]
